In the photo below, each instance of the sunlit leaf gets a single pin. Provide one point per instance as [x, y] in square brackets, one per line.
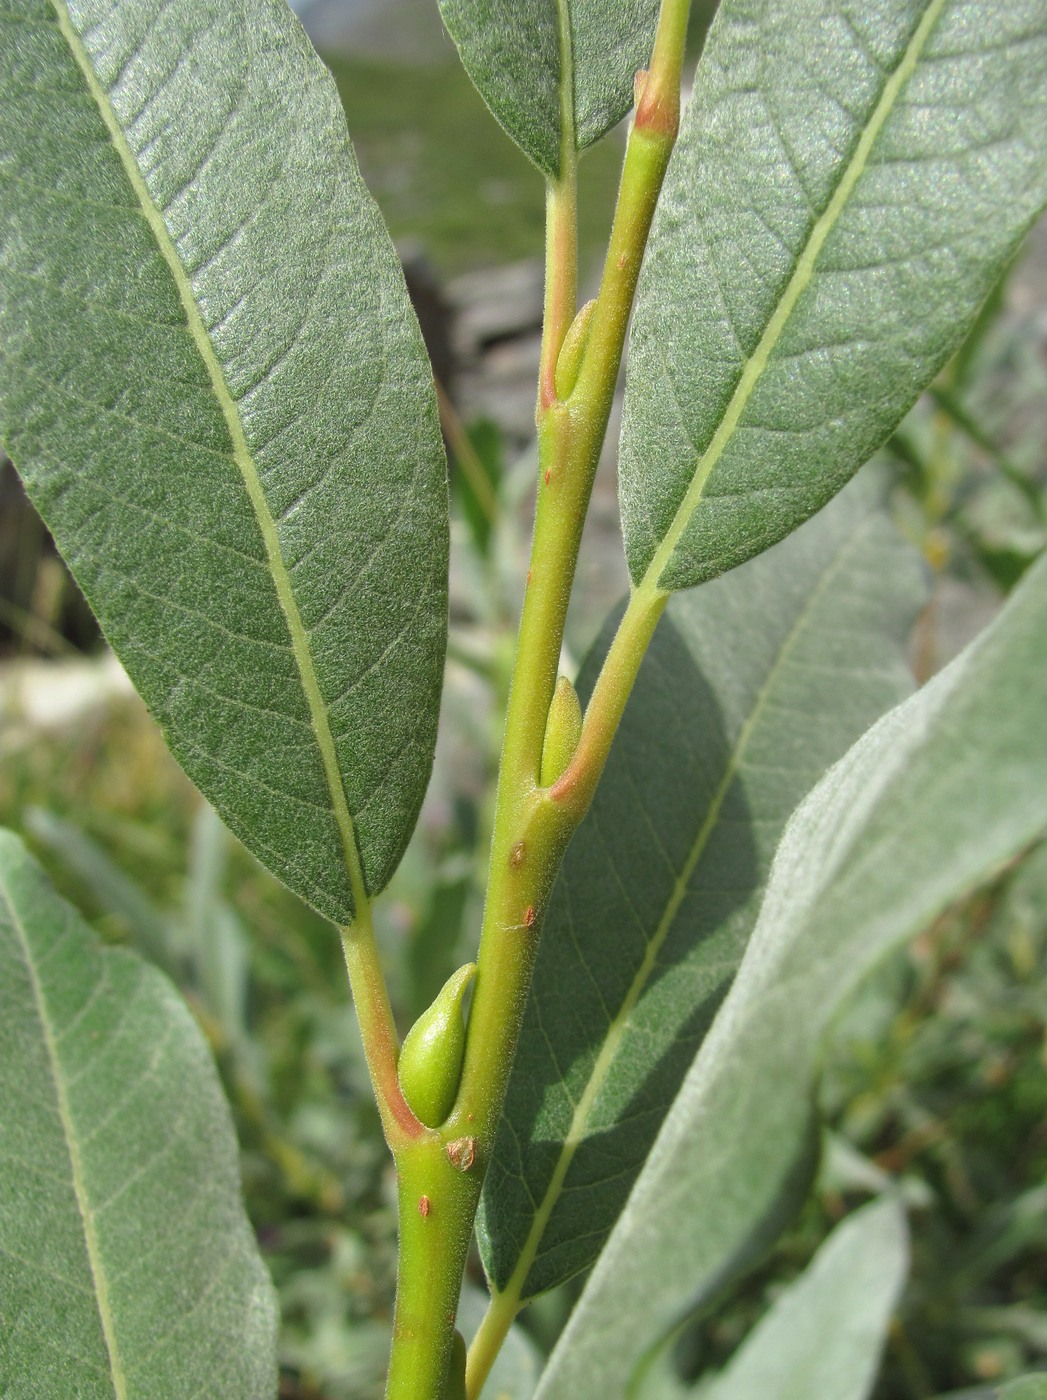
[523, 56]
[849, 182]
[214, 388]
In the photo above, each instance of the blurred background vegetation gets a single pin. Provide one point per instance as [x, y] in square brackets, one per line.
[938, 1084]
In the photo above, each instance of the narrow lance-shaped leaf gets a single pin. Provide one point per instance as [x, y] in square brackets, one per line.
[753, 686]
[920, 812]
[849, 181]
[128, 1270]
[823, 1338]
[214, 388]
[534, 60]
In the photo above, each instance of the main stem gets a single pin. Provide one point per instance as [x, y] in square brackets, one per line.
[440, 1172]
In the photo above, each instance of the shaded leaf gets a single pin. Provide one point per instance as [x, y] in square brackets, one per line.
[923, 808]
[849, 183]
[516, 55]
[127, 1266]
[214, 388]
[751, 688]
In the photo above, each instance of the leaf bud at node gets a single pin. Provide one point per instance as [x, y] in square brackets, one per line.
[563, 729]
[569, 360]
[455, 1387]
[430, 1064]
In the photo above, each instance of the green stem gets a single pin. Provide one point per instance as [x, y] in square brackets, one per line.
[466, 456]
[437, 1202]
[378, 1030]
[532, 825]
[575, 788]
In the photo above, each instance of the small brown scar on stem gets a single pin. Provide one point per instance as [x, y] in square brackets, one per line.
[516, 855]
[529, 916]
[424, 1206]
[623, 261]
[461, 1153]
[548, 475]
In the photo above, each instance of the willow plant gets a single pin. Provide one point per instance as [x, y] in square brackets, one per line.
[215, 390]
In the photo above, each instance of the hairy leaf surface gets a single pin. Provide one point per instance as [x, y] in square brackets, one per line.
[823, 1338]
[526, 59]
[931, 801]
[215, 390]
[128, 1270]
[752, 687]
[1025, 1388]
[849, 181]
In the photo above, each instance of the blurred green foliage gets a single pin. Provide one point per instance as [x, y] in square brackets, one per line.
[454, 181]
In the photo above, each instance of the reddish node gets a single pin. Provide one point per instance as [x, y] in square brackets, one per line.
[529, 916]
[424, 1206]
[548, 475]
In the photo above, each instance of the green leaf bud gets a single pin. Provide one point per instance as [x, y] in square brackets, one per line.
[430, 1064]
[455, 1387]
[569, 360]
[562, 731]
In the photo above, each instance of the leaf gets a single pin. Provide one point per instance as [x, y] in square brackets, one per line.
[849, 182]
[1025, 1388]
[522, 57]
[752, 687]
[214, 388]
[1032, 1387]
[823, 1337]
[127, 1266]
[942, 791]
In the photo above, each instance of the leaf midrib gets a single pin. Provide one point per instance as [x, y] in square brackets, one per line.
[801, 278]
[605, 1059]
[241, 454]
[92, 1244]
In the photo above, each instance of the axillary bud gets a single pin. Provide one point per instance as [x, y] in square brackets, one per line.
[430, 1064]
[563, 729]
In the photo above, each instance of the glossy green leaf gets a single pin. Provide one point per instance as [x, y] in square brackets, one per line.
[823, 1337]
[128, 1270]
[752, 687]
[925, 806]
[216, 393]
[848, 184]
[528, 58]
